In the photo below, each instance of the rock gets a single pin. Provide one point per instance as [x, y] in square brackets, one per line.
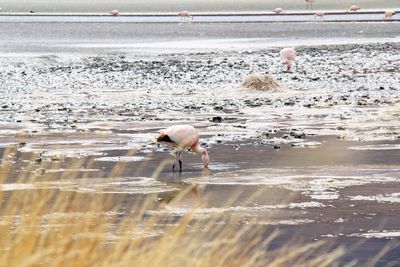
[217, 119]
[55, 158]
[362, 102]
[298, 135]
[289, 103]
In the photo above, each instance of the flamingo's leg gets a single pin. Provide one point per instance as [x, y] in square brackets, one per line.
[175, 154]
[180, 161]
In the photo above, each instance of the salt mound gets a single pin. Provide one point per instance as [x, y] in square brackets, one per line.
[261, 82]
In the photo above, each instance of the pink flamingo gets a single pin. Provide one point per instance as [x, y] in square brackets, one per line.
[185, 14]
[319, 14]
[389, 14]
[114, 13]
[310, 4]
[288, 56]
[354, 8]
[180, 137]
[279, 10]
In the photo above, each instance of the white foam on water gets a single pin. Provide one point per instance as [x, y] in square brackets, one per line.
[13, 187]
[389, 234]
[320, 183]
[72, 170]
[377, 147]
[249, 211]
[306, 144]
[286, 222]
[71, 215]
[121, 159]
[390, 198]
[6, 144]
[126, 185]
[306, 205]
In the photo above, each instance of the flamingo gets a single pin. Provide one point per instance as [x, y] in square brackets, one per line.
[354, 8]
[279, 10]
[310, 4]
[288, 56]
[319, 14]
[114, 13]
[389, 14]
[180, 137]
[185, 14]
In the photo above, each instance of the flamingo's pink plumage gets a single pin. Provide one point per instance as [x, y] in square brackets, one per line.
[354, 8]
[279, 10]
[288, 56]
[389, 14]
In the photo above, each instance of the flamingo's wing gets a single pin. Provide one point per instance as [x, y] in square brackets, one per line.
[182, 135]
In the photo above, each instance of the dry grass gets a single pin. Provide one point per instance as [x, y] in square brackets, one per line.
[47, 227]
[261, 82]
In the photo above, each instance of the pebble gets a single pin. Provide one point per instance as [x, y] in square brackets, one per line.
[217, 119]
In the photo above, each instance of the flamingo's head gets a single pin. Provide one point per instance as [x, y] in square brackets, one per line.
[289, 65]
[204, 158]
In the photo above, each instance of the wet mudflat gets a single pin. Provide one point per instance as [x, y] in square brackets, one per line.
[319, 161]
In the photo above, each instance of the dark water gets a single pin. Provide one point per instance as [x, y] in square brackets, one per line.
[35, 35]
[204, 18]
[176, 6]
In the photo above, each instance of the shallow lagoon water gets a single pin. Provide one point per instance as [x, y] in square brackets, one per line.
[332, 175]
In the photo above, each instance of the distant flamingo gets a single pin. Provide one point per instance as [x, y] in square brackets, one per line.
[319, 14]
[181, 137]
[288, 56]
[354, 8]
[310, 4]
[279, 10]
[185, 15]
[114, 13]
[389, 14]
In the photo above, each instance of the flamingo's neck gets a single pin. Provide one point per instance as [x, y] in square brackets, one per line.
[204, 154]
[289, 65]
